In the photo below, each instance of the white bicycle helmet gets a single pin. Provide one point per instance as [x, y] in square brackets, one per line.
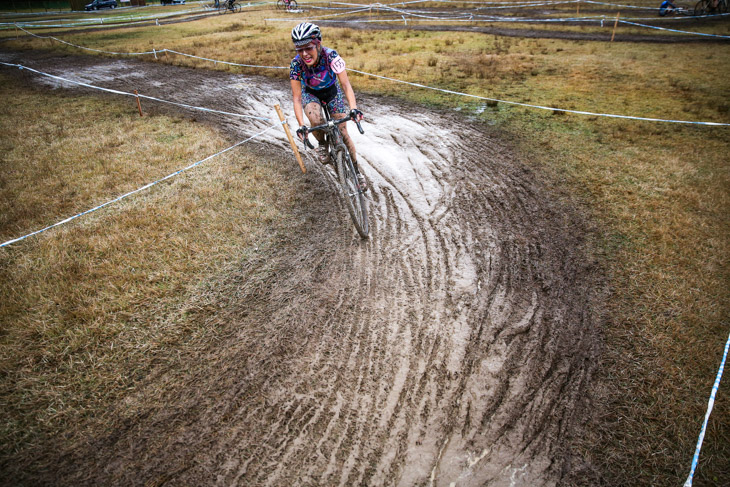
[304, 33]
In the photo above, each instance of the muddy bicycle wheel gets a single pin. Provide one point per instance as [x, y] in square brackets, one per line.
[351, 191]
[292, 5]
[236, 8]
[280, 5]
[701, 7]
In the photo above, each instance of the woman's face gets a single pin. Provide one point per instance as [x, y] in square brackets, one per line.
[308, 54]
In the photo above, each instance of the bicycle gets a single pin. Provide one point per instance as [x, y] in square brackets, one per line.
[287, 5]
[344, 167]
[705, 7]
[677, 11]
[227, 6]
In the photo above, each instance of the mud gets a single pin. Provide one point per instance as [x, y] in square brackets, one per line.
[454, 347]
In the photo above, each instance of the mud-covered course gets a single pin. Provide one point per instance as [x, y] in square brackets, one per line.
[454, 347]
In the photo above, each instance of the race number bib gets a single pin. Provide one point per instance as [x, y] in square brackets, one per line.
[338, 65]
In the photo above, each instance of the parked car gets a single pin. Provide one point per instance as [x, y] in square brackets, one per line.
[172, 2]
[97, 4]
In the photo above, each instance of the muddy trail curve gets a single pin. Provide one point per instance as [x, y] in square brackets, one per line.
[454, 347]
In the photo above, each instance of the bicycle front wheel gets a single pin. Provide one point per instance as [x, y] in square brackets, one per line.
[701, 8]
[292, 5]
[351, 191]
[236, 8]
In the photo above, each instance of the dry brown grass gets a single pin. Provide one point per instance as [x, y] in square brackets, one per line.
[662, 203]
[88, 308]
[658, 192]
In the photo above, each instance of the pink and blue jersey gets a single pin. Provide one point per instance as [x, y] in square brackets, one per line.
[322, 75]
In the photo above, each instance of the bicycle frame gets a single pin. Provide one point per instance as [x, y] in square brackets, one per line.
[345, 168]
[329, 127]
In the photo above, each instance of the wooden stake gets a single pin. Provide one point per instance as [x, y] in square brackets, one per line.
[291, 139]
[577, 7]
[614, 26]
[139, 105]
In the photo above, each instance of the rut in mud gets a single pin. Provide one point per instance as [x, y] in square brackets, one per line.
[454, 347]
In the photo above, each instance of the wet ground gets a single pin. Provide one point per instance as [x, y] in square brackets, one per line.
[454, 347]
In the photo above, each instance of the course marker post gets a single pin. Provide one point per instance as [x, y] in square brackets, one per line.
[614, 26]
[289, 136]
[139, 105]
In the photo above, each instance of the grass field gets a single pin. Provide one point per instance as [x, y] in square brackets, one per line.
[88, 308]
[659, 194]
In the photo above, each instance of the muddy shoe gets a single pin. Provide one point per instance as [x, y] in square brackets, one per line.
[323, 154]
[362, 183]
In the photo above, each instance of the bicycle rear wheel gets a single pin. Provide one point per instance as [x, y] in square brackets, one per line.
[280, 5]
[350, 189]
[701, 7]
[292, 5]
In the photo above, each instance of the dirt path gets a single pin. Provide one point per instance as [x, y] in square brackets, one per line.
[453, 348]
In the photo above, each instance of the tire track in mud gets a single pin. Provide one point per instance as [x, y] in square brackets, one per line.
[452, 348]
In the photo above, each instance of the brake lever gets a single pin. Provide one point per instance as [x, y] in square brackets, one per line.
[305, 138]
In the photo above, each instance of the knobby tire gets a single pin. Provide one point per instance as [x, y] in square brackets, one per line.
[701, 8]
[353, 196]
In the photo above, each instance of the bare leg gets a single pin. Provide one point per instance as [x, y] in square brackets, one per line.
[314, 114]
[346, 138]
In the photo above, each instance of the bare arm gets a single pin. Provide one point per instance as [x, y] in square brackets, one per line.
[296, 93]
[347, 89]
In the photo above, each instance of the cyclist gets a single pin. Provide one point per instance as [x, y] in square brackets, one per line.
[667, 7]
[318, 73]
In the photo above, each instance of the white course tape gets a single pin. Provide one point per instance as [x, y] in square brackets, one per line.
[223, 62]
[418, 85]
[710, 404]
[82, 47]
[146, 97]
[579, 112]
[154, 52]
[472, 18]
[617, 5]
[9, 242]
[674, 30]
[116, 20]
